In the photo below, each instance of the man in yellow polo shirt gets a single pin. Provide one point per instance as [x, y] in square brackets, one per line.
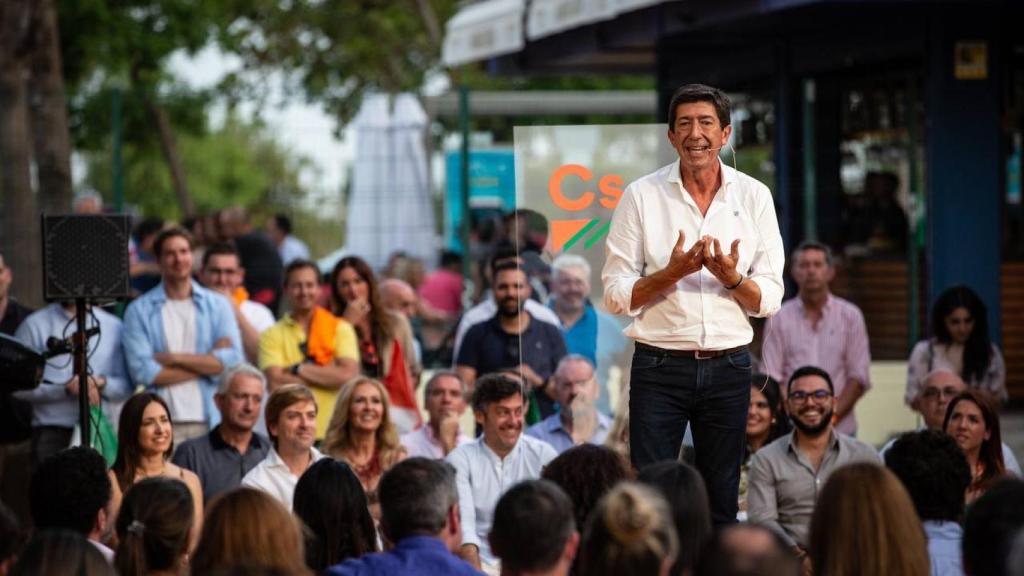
[310, 345]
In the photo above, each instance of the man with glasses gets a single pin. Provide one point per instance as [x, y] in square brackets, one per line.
[786, 475]
[578, 420]
[222, 272]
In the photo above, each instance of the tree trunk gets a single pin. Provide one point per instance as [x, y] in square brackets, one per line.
[169, 147]
[48, 107]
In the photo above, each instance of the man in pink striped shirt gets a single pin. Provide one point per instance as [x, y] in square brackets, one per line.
[820, 329]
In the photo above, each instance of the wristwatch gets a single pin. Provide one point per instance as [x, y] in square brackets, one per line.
[294, 369]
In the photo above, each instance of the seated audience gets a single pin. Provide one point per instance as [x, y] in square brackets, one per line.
[361, 433]
[934, 471]
[990, 526]
[249, 531]
[578, 420]
[972, 421]
[60, 553]
[534, 530]
[445, 401]
[630, 532]
[586, 473]
[683, 489]
[153, 528]
[291, 421]
[145, 442]
[747, 550]
[224, 456]
[786, 475]
[71, 491]
[419, 521]
[492, 463]
[330, 502]
[766, 421]
[865, 523]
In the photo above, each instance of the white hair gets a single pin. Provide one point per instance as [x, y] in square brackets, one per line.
[245, 369]
[570, 262]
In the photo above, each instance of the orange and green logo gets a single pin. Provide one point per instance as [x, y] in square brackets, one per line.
[569, 232]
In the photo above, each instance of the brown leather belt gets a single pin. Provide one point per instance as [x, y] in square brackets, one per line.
[695, 354]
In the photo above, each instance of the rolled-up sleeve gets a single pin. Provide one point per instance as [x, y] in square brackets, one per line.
[118, 387]
[467, 506]
[138, 349]
[769, 258]
[858, 351]
[624, 256]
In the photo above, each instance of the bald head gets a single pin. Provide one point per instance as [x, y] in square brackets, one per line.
[939, 387]
[398, 296]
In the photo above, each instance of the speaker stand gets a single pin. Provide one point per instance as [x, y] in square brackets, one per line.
[81, 344]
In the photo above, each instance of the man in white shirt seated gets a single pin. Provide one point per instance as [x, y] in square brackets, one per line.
[493, 463]
[445, 402]
[578, 420]
[291, 421]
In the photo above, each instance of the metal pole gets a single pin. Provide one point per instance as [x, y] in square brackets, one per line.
[80, 355]
[465, 227]
[810, 164]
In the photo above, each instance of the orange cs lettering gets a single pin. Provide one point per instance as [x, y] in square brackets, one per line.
[555, 187]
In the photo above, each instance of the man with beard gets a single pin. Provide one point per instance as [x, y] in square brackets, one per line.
[786, 475]
[578, 421]
[513, 338]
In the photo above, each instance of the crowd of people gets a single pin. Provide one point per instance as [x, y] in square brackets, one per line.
[267, 422]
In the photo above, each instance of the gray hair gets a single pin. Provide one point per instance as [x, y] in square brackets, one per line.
[444, 374]
[416, 495]
[242, 369]
[569, 262]
[568, 358]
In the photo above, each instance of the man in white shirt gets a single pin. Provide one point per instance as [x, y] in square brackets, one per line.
[693, 250]
[488, 466]
[222, 272]
[445, 402]
[291, 420]
[279, 229]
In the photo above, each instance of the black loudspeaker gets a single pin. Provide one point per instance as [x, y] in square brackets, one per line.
[86, 256]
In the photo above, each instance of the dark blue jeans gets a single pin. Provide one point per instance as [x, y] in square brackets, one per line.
[713, 396]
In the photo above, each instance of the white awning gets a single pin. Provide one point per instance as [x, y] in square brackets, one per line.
[549, 17]
[483, 30]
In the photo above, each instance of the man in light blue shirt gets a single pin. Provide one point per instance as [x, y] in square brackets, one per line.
[578, 421]
[935, 473]
[55, 400]
[487, 467]
[179, 337]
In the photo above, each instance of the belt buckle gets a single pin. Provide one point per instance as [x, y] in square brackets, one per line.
[703, 354]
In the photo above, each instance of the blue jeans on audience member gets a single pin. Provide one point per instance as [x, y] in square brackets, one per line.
[713, 396]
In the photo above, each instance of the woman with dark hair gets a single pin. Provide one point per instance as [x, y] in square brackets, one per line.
[972, 421]
[959, 343]
[386, 348]
[59, 553]
[153, 528]
[145, 442]
[766, 421]
[330, 501]
[683, 489]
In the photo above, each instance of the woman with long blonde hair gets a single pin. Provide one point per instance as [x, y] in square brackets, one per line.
[865, 523]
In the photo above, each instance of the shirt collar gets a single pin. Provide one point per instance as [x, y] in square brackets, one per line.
[493, 458]
[160, 292]
[833, 441]
[428, 432]
[218, 443]
[728, 178]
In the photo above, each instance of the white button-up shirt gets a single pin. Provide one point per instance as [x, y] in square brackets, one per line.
[482, 477]
[700, 313]
[274, 477]
[423, 443]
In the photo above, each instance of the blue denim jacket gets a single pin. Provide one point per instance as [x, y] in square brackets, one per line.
[143, 336]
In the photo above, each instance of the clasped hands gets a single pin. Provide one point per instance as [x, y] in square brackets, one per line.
[706, 253]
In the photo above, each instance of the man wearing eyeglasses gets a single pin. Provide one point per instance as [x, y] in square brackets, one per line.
[786, 475]
[222, 272]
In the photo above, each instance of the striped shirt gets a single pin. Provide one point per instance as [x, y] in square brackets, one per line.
[837, 345]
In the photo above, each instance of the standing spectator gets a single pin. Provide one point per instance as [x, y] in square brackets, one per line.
[959, 343]
[513, 338]
[588, 331]
[493, 462]
[145, 442]
[222, 272]
[332, 505]
[990, 527]
[248, 532]
[11, 311]
[972, 421]
[445, 401]
[179, 337]
[71, 491]
[362, 435]
[279, 230]
[386, 345]
[309, 345]
[865, 523]
[420, 520]
[259, 257]
[291, 420]
[578, 421]
[818, 328]
[59, 553]
[55, 410]
[766, 421]
[143, 261]
[442, 289]
[535, 530]
[398, 297]
[935, 473]
[153, 528]
[683, 489]
[785, 476]
[630, 532]
[224, 456]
